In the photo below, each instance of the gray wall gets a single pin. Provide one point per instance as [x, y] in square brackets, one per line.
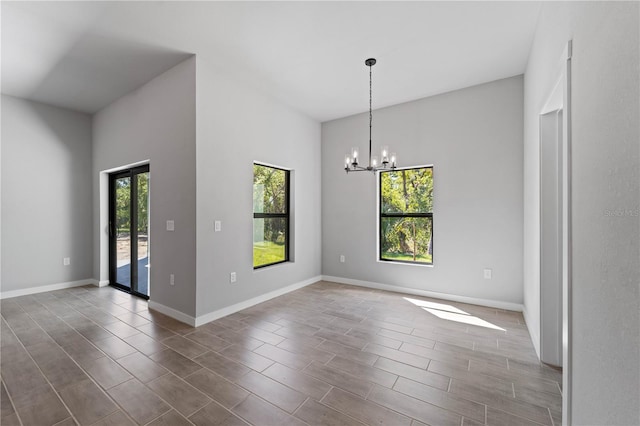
[473, 137]
[156, 123]
[46, 195]
[236, 126]
[606, 199]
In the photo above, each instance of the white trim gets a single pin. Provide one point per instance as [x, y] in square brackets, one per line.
[455, 298]
[567, 237]
[212, 316]
[44, 288]
[173, 313]
[228, 310]
[102, 283]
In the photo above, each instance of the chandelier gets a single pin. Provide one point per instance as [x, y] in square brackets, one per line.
[387, 160]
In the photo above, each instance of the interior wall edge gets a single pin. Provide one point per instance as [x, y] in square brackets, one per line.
[533, 330]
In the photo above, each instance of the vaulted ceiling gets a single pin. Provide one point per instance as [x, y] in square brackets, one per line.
[309, 55]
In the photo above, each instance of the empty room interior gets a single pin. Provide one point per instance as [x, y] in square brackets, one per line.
[320, 213]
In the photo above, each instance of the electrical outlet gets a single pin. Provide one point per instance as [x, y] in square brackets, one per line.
[66, 261]
[171, 225]
[232, 277]
[487, 274]
[172, 279]
[342, 258]
[217, 227]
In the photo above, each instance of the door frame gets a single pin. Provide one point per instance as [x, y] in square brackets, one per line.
[131, 173]
[560, 99]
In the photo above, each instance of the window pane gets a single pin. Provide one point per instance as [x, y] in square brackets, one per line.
[407, 191]
[123, 230]
[269, 190]
[406, 239]
[269, 240]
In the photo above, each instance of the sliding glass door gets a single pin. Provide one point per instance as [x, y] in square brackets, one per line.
[129, 230]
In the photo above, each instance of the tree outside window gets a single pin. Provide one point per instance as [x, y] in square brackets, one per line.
[406, 215]
[270, 215]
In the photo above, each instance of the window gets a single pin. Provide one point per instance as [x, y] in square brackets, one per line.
[270, 215]
[406, 215]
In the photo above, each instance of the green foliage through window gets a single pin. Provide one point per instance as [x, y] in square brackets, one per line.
[123, 204]
[406, 215]
[270, 215]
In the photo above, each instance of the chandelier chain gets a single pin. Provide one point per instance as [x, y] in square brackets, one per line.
[370, 113]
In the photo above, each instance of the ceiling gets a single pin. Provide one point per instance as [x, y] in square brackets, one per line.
[309, 55]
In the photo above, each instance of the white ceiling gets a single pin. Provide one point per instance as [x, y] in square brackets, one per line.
[309, 55]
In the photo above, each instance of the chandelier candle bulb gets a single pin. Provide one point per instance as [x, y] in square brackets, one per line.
[374, 161]
[384, 154]
[393, 160]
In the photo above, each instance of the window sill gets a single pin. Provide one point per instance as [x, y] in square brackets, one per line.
[271, 265]
[392, 262]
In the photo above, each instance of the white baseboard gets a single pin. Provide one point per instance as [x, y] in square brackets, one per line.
[102, 283]
[43, 288]
[454, 298]
[173, 313]
[212, 316]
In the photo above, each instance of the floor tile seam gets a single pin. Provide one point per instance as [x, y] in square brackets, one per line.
[520, 399]
[365, 365]
[520, 378]
[285, 350]
[512, 413]
[520, 417]
[120, 409]
[266, 402]
[450, 394]
[171, 407]
[58, 395]
[330, 408]
[364, 399]
[293, 413]
[336, 386]
[235, 382]
[15, 411]
[155, 418]
[513, 386]
[184, 382]
[217, 403]
[104, 390]
[411, 397]
[484, 376]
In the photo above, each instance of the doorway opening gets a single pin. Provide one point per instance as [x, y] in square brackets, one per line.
[129, 230]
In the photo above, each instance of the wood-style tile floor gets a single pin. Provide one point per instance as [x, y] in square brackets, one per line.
[327, 354]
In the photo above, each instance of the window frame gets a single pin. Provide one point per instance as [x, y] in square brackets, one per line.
[286, 215]
[382, 215]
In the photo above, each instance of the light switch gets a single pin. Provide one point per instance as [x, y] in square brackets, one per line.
[170, 225]
[217, 226]
[488, 274]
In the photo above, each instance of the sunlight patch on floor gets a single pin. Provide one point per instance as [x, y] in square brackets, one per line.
[451, 313]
